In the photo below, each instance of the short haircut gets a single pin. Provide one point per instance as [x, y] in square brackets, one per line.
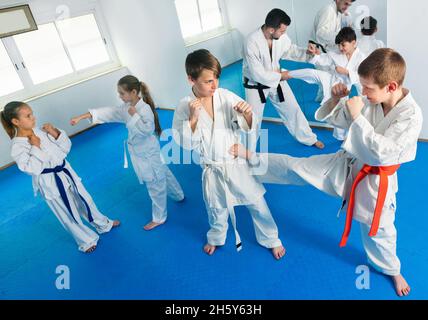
[200, 60]
[347, 34]
[383, 66]
[276, 17]
[368, 26]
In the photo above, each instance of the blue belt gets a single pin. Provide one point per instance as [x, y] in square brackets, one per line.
[62, 192]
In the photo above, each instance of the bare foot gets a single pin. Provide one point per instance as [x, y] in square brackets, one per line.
[152, 225]
[209, 249]
[91, 249]
[278, 252]
[401, 286]
[116, 223]
[319, 145]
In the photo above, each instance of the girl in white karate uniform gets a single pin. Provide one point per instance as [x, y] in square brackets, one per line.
[335, 67]
[42, 154]
[139, 114]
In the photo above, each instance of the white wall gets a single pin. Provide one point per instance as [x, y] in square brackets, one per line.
[59, 107]
[405, 25]
[148, 41]
[248, 15]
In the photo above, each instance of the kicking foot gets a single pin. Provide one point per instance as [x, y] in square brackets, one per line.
[116, 223]
[319, 145]
[91, 249]
[278, 252]
[152, 225]
[401, 286]
[209, 249]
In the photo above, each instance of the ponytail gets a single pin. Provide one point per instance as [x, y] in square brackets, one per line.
[10, 112]
[147, 98]
[130, 83]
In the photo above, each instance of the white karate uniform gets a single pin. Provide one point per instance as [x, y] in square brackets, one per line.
[144, 150]
[259, 67]
[327, 77]
[327, 24]
[373, 139]
[52, 153]
[368, 44]
[226, 182]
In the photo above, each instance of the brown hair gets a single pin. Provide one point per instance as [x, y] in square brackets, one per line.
[10, 112]
[130, 83]
[383, 66]
[201, 60]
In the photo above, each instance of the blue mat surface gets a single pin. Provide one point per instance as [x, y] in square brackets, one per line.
[168, 263]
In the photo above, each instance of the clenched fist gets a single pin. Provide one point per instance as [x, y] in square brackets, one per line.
[339, 91]
[34, 140]
[355, 105]
[243, 108]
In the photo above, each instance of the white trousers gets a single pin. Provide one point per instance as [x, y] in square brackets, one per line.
[264, 225]
[83, 235]
[290, 112]
[381, 249]
[326, 81]
[283, 169]
[159, 190]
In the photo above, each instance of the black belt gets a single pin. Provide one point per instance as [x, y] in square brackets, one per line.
[260, 87]
[318, 45]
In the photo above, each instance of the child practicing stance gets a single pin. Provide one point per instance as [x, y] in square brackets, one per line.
[384, 127]
[139, 114]
[209, 121]
[335, 67]
[42, 154]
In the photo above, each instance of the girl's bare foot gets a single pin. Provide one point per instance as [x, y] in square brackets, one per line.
[152, 225]
[116, 223]
[278, 252]
[401, 286]
[91, 249]
[209, 249]
[319, 145]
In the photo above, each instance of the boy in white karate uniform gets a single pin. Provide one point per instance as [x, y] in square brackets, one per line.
[139, 114]
[264, 80]
[368, 43]
[383, 133]
[336, 67]
[329, 21]
[42, 154]
[210, 121]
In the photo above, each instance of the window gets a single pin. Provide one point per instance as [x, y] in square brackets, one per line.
[199, 19]
[43, 53]
[59, 53]
[9, 79]
[83, 40]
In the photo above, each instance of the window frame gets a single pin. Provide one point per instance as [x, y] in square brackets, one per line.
[32, 90]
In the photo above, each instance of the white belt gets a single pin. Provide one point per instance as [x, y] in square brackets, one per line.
[221, 169]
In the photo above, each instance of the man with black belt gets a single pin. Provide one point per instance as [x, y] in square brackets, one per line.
[263, 78]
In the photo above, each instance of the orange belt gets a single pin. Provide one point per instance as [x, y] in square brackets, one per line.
[383, 172]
